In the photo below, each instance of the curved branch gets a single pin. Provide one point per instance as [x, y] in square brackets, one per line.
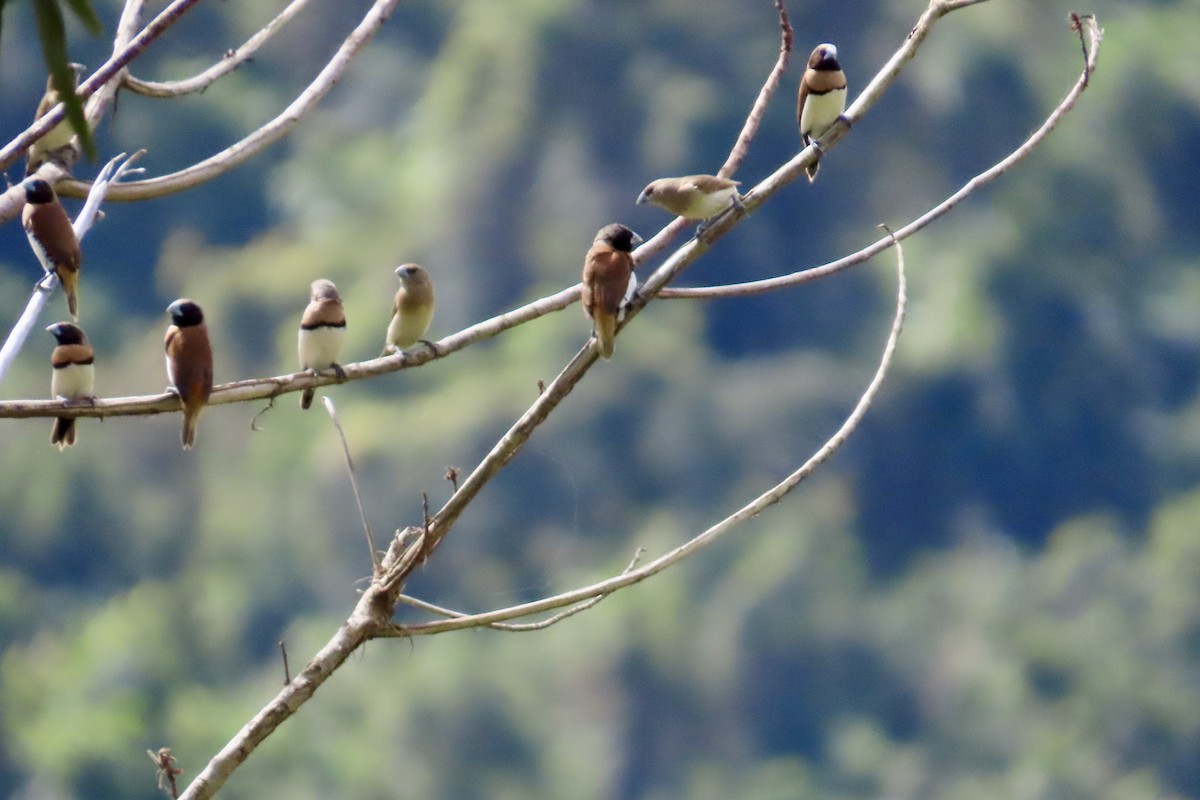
[1090, 35]
[752, 509]
[232, 60]
[13, 150]
[240, 152]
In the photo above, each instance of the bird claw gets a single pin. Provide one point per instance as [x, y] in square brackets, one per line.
[337, 370]
[437, 353]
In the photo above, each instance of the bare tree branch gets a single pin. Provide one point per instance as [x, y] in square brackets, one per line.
[240, 152]
[232, 60]
[9, 208]
[765, 500]
[1090, 36]
[737, 154]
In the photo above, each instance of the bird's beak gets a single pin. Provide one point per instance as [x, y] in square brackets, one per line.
[637, 239]
[643, 197]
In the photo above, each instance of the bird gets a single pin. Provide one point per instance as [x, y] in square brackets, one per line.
[52, 238]
[412, 309]
[72, 376]
[60, 135]
[608, 282]
[821, 100]
[692, 196]
[322, 329]
[189, 363]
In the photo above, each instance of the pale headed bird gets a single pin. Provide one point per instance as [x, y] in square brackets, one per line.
[412, 309]
[692, 196]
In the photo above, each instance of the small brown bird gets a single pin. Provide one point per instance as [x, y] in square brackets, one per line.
[322, 329]
[57, 137]
[52, 238]
[692, 196]
[822, 98]
[412, 309]
[189, 363]
[608, 282]
[72, 377]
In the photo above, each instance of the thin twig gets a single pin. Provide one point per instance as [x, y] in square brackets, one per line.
[232, 60]
[520, 627]
[362, 512]
[287, 673]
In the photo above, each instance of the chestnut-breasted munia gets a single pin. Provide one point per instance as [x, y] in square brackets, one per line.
[608, 282]
[189, 364]
[53, 238]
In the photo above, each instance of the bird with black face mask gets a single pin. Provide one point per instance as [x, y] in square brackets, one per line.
[322, 329]
[52, 238]
[821, 100]
[61, 134]
[692, 196]
[189, 364]
[609, 282]
[412, 309]
[72, 376]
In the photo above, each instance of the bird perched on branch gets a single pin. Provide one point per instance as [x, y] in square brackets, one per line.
[52, 238]
[189, 364]
[609, 282]
[412, 309]
[822, 98]
[692, 196]
[61, 134]
[72, 376]
[322, 329]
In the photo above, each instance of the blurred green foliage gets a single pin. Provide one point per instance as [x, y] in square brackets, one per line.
[992, 591]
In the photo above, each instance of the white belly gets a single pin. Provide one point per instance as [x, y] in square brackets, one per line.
[820, 111]
[73, 381]
[319, 348]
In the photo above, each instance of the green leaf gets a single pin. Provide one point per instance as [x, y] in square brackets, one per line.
[58, 63]
[87, 15]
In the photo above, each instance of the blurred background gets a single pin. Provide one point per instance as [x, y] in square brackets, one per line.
[993, 591]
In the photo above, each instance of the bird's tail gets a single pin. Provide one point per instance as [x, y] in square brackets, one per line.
[191, 420]
[812, 170]
[306, 398]
[606, 331]
[70, 284]
[63, 434]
